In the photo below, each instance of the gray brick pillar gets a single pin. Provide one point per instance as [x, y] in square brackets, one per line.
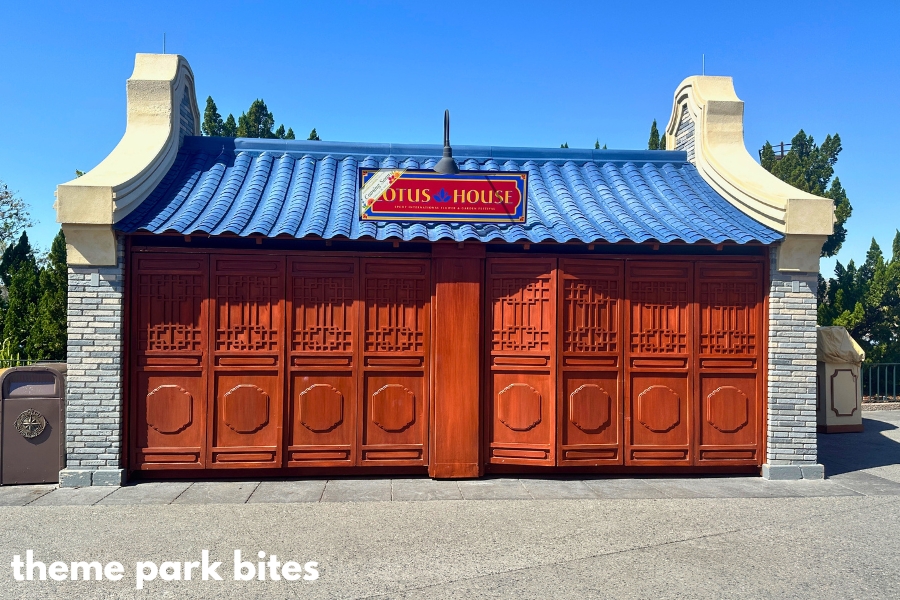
[791, 431]
[94, 378]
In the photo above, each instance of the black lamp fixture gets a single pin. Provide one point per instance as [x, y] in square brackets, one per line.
[447, 165]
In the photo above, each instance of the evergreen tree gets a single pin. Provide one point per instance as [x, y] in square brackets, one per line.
[597, 144]
[653, 144]
[314, 136]
[565, 145]
[290, 134]
[13, 256]
[23, 293]
[866, 301]
[229, 129]
[257, 122]
[279, 133]
[212, 120]
[662, 141]
[48, 340]
[809, 167]
[604, 147]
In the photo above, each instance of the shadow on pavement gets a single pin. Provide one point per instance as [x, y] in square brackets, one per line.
[848, 452]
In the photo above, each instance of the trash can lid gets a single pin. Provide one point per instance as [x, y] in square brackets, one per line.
[836, 345]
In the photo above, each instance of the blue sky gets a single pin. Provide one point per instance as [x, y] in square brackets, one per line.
[517, 73]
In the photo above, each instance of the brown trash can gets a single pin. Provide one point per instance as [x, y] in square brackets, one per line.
[32, 423]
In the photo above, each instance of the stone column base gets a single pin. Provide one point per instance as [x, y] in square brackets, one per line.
[792, 472]
[87, 477]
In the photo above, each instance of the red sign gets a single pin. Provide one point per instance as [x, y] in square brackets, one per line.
[469, 196]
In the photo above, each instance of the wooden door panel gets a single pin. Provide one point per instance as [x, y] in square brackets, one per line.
[590, 399]
[730, 308]
[521, 341]
[523, 427]
[395, 424]
[170, 408]
[659, 428]
[247, 426]
[168, 358]
[248, 331]
[591, 409]
[659, 359]
[395, 323]
[323, 344]
[729, 415]
[323, 418]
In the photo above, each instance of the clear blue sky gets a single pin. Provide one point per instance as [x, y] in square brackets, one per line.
[518, 73]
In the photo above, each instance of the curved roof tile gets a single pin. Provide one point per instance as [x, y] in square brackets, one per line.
[306, 188]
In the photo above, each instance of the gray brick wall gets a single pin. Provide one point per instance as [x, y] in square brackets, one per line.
[791, 434]
[684, 135]
[95, 369]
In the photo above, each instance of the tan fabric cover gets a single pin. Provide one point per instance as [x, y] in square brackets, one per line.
[836, 346]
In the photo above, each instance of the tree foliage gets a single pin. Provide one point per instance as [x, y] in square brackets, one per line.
[48, 341]
[314, 135]
[14, 216]
[653, 142]
[810, 167]
[255, 122]
[21, 277]
[212, 125]
[866, 300]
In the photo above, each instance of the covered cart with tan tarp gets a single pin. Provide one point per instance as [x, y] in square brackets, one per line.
[838, 359]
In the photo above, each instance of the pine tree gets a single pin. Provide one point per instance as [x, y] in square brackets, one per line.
[257, 122]
[653, 144]
[229, 129]
[597, 144]
[809, 167]
[23, 296]
[48, 340]
[314, 136]
[212, 120]
[662, 141]
[565, 145]
[13, 256]
[279, 133]
[290, 134]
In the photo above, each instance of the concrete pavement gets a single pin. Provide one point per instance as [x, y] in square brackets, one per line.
[499, 538]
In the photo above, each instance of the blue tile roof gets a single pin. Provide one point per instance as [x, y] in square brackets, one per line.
[305, 188]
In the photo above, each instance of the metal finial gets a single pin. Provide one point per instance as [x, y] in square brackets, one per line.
[447, 165]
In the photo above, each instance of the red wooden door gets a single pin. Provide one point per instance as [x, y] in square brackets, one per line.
[659, 406]
[168, 356]
[246, 387]
[590, 398]
[730, 305]
[521, 348]
[323, 344]
[393, 414]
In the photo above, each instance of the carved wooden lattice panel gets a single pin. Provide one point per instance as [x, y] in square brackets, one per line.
[522, 310]
[727, 317]
[730, 342]
[169, 306]
[588, 390]
[246, 321]
[167, 392]
[323, 309]
[658, 317]
[394, 405]
[590, 315]
[521, 343]
[394, 320]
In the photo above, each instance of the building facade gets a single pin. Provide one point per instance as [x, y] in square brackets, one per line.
[229, 311]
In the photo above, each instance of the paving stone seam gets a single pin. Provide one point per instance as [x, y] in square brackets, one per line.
[38, 497]
[780, 526]
[180, 494]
